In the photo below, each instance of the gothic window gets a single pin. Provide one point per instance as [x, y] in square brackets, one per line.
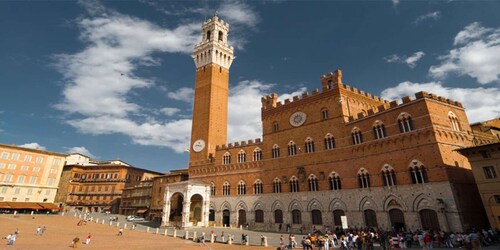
[357, 137]
[292, 148]
[334, 180]
[370, 218]
[226, 188]
[276, 185]
[209, 37]
[313, 183]
[324, 113]
[227, 158]
[379, 130]
[276, 127]
[278, 216]
[275, 151]
[257, 154]
[242, 188]
[309, 145]
[257, 187]
[405, 123]
[242, 156]
[455, 125]
[329, 142]
[363, 178]
[294, 184]
[388, 175]
[316, 217]
[259, 216]
[296, 217]
[212, 188]
[417, 172]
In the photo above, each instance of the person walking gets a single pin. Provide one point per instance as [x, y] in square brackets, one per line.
[87, 241]
[38, 231]
[120, 232]
[75, 241]
[43, 230]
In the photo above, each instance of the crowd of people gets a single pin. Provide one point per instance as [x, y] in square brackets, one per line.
[366, 239]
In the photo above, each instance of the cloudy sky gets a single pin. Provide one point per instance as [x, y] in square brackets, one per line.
[114, 79]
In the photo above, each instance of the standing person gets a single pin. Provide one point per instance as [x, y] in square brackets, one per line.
[222, 237]
[133, 226]
[75, 241]
[282, 243]
[43, 230]
[87, 241]
[428, 241]
[120, 232]
[38, 231]
[12, 239]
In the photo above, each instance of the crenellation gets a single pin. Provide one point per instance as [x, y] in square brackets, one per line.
[381, 108]
[361, 92]
[287, 101]
[279, 104]
[250, 141]
[351, 118]
[371, 112]
[258, 140]
[394, 103]
[305, 95]
[315, 91]
[355, 90]
[236, 144]
[421, 95]
[243, 143]
[441, 99]
[296, 98]
[361, 115]
[406, 99]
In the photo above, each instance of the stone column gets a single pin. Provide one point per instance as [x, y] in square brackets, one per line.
[206, 213]
[166, 208]
[186, 205]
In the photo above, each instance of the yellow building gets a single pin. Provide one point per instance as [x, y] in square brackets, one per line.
[28, 177]
[485, 161]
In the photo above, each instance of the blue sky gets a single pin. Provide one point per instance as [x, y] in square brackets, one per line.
[114, 79]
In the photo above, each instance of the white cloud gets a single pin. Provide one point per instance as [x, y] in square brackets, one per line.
[238, 13]
[480, 103]
[170, 111]
[477, 55]
[80, 150]
[436, 15]
[395, 2]
[33, 145]
[411, 61]
[183, 94]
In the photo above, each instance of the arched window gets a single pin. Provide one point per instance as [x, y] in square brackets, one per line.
[455, 125]
[417, 172]
[257, 154]
[226, 188]
[292, 148]
[405, 123]
[316, 217]
[226, 158]
[242, 188]
[212, 188]
[313, 183]
[309, 145]
[294, 184]
[296, 217]
[221, 36]
[337, 217]
[276, 127]
[334, 180]
[357, 137]
[242, 156]
[278, 216]
[275, 151]
[370, 218]
[209, 36]
[257, 187]
[259, 216]
[363, 178]
[324, 113]
[379, 130]
[276, 185]
[388, 175]
[329, 142]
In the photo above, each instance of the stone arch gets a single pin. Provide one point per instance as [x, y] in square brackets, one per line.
[393, 201]
[415, 163]
[314, 204]
[277, 205]
[337, 203]
[294, 204]
[226, 205]
[212, 206]
[421, 202]
[259, 205]
[241, 205]
[367, 203]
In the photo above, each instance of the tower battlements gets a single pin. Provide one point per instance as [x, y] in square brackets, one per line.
[238, 144]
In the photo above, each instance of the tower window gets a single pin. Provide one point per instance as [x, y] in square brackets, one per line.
[379, 130]
[277, 185]
[212, 188]
[405, 123]
[221, 36]
[418, 173]
[242, 156]
[292, 148]
[242, 188]
[276, 151]
[257, 154]
[257, 187]
[357, 137]
[329, 142]
[363, 178]
[324, 114]
[313, 183]
[455, 125]
[388, 176]
[309, 145]
[226, 188]
[227, 158]
[209, 38]
[276, 127]
[334, 180]
[294, 184]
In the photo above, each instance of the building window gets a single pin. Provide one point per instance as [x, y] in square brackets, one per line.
[313, 183]
[17, 190]
[296, 217]
[24, 168]
[257, 187]
[14, 199]
[15, 156]
[329, 142]
[242, 188]
[278, 216]
[227, 158]
[242, 156]
[11, 166]
[292, 148]
[294, 184]
[39, 159]
[324, 114]
[489, 172]
[276, 127]
[363, 178]
[418, 173]
[8, 177]
[379, 130]
[334, 180]
[36, 169]
[57, 162]
[53, 171]
[388, 176]
[20, 179]
[47, 192]
[4, 190]
[27, 158]
[357, 137]
[50, 181]
[5, 155]
[316, 217]
[259, 216]
[257, 154]
[226, 188]
[275, 151]
[455, 125]
[405, 123]
[212, 188]
[276, 185]
[309, 145]
[32, 179]
[2, 165]
[370, 218]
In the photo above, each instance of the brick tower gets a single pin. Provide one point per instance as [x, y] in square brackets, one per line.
[213, 57]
